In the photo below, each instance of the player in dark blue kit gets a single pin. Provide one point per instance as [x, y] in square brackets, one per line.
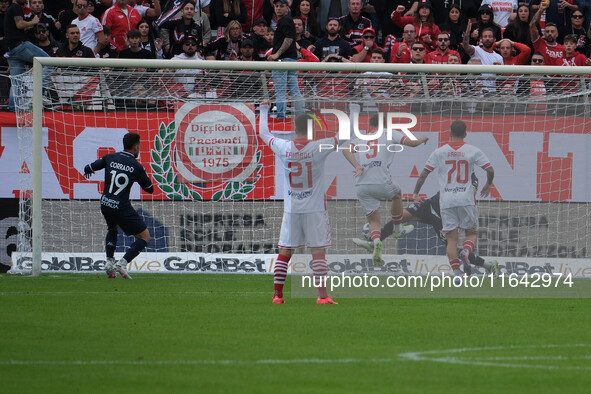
[121, 171]
[428, 211]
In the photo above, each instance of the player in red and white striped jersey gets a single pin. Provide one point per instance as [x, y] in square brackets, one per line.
[305, 219]
[372, 160]
[455, 162]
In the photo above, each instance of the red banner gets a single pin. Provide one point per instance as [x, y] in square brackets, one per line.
[535, 158]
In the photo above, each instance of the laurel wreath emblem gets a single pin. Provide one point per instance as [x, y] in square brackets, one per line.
[168, 180]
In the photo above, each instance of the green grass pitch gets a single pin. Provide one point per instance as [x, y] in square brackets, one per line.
[220, 333]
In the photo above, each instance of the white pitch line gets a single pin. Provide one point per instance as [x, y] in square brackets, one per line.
[530, 358]
[200, 362]
[489, 362]
[145, 293]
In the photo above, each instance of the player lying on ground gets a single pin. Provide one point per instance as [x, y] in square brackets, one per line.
[455, 162]
[122, 170]
[373, 181]
[305, 219]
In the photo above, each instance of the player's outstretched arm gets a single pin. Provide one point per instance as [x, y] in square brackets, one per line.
[264, 122]
[89, 169]
[419, 184]
[414, 143]
[490, 175]
[145, 182]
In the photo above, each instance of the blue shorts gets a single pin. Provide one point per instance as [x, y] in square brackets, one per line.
[129, 220]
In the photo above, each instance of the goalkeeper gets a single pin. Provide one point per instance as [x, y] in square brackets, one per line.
[428, 212]
[122, 170]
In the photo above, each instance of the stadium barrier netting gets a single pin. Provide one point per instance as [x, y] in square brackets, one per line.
[218, 187]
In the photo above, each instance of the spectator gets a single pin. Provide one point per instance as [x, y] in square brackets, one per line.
[247, 50]
[261, 46]
[423, 21]
[4, 4]
[503, 10]
[486, 53]
[305, 55]
[455, 26]
[353, 24]
[145, 11]
[246, 83]
[571, 57]
[73, 46]
[284, 49]
[362, 52]
[134, 50]
[48, 20]
[331, 9]
[307, 13]
[438, 9]
[454, 58]
[440, 55]
[506, 48]
[121, 19]
[227, 11]
[190, 52]
[109, 50]
[64, 19]
[100, 6]
[150, 40]
[178, 28]
[333, 43]
[20, 50]
[300, 39]
[254, 12]
[536, 87]
[374, 84]
[400, 52]
[557, 12]
[484, 19]
[44, 41]
[200, 18]
[418, 53]
[518, 29]
[270, 37]
[226, 47]
[576, 27]
[548, 45]
[91, 30]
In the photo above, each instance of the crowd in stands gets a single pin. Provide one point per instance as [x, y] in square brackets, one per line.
[398, 31]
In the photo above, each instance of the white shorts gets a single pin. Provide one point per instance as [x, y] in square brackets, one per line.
[370, 196]
[463, 218]
[304, 229]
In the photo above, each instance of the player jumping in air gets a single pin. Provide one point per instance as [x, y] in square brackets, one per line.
[305, 219]
[455, 162]
[374, 181]
[428, 212]
[122, 170]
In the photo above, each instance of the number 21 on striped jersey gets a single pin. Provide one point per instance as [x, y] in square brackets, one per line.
[302, 172]
[460, 167]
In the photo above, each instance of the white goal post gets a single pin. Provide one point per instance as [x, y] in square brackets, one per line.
[482, 108]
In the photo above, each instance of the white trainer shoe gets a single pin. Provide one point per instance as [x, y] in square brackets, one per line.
[121, 268]
[367, 245]
[406, 229]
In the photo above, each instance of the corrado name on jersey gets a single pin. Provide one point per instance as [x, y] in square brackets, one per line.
[122, 167]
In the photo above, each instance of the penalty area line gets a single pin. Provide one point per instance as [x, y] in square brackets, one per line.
[199, 362]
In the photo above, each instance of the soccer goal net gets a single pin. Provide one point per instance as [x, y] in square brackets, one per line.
[217, 204]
